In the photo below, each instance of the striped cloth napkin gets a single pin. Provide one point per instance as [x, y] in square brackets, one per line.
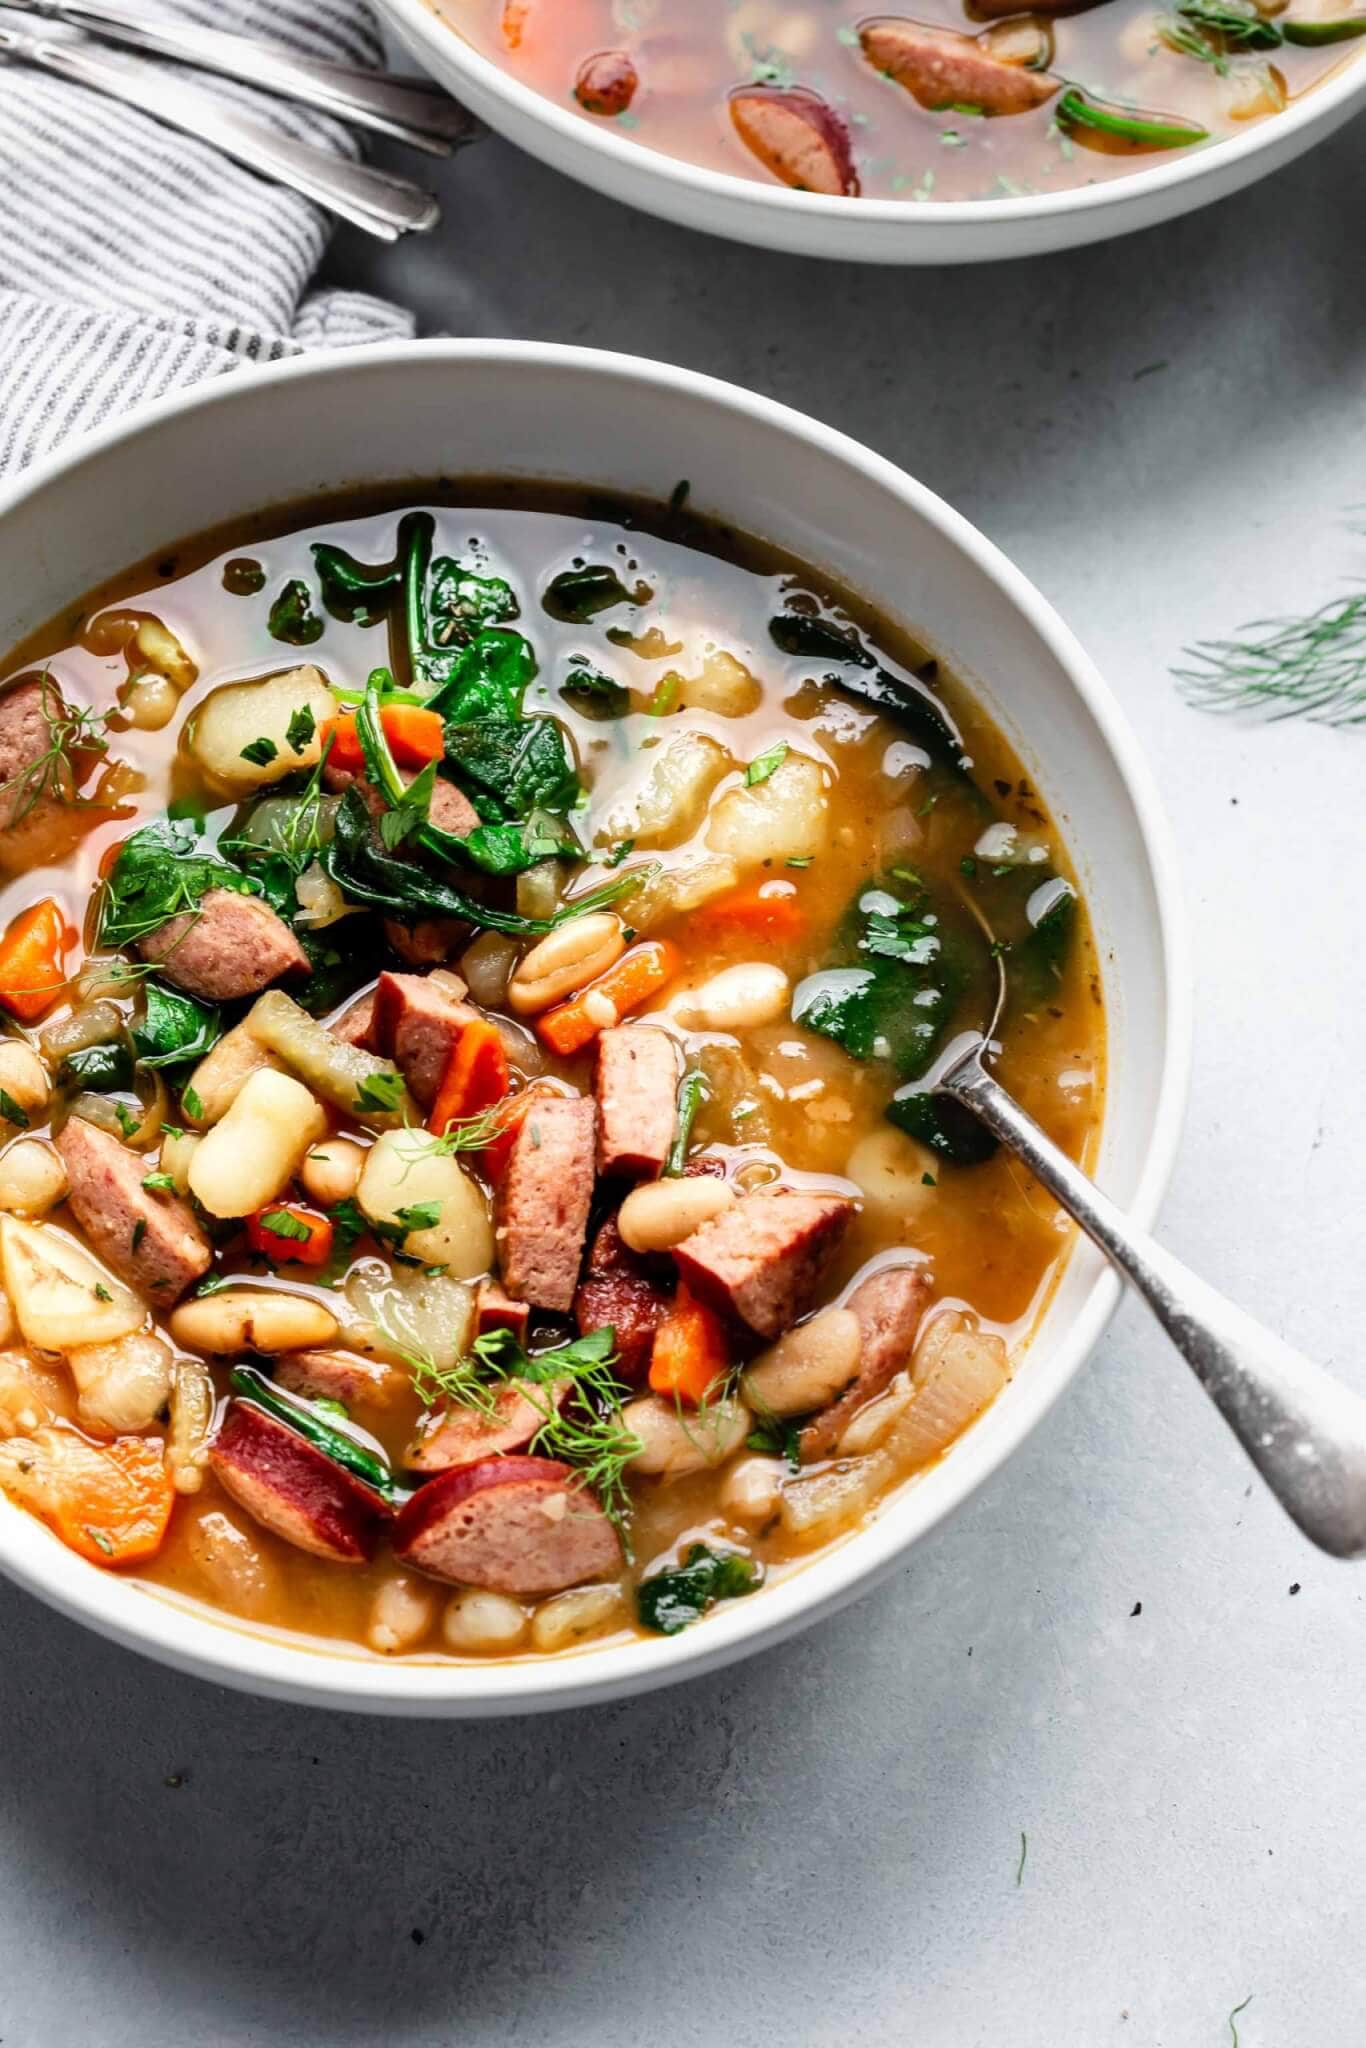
[134, 259]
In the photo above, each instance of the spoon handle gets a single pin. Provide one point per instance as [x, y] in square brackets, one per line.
[406, 109]
[385, 206]
[1304, 1432]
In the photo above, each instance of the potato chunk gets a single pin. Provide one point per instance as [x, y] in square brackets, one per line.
[60, 1296]
[668, 805]
[246, 735]
[783, 818]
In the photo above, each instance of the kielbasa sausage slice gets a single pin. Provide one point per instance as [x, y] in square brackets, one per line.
[153, 1241]
[889, 1305]
[761, 1261]
[465, 1436]
[637, 1091]
[293, 1490]
[232, 946]
[797, 136]
[511, 1525]
[541, 1207]
[941, 68]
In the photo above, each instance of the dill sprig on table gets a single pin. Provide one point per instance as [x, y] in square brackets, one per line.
[1311, 667]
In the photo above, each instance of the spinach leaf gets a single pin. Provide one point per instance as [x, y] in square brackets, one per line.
[1035, 965]
[104, 1069]
[302, 1417]
[667, 1601]
[487, 678]
[593, 694]
[511, 769]
[160, 872]
[176, 1027]
[577, 595]
[512, 849]
[292, 617]
[908, 702]
[367, 872]
[941, 1123]
[353, 590]
[897, 985]
[466, 603]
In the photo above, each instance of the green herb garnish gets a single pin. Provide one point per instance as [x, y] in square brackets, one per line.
[766, 764]
[292, 617]
[260, 752]
[301, 728]
[12, 1111]
[381, 1091]
[667, 1601]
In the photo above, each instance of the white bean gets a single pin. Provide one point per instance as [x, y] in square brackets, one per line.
[751, 1488]
[659, 1214]
[253, 1319]
[23, 1077]
[564, 961]
[232, 1566]
[675, 1441]
[482, 1624]
[401, 1615]
[32, 1177]
[150, 702]
[739, 998]
[331, 1172]
[808, 1367]
[176, 1154]
[257, 1147]
[571, 1617]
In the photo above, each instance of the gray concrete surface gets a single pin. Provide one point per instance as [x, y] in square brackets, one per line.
[1121, 1650]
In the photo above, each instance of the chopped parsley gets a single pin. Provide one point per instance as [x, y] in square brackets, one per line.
[191, 1104]
[667, 1601]
[139, 1232]
[12, 1110]
[380, 1091]
[261, 752]
[766, 764]
[419, 1216]
[284, 1223]
[301, 728]
[102, 1292]
[159, 1184]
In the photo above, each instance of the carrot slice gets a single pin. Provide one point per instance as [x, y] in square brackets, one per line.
[509, 1116]
[109, 1502]
[415, 735]
[770, 910]
[639, 974]
[287, 1231]
[31, 972]
[476, 1076]
[514, 21]
[689, 1353]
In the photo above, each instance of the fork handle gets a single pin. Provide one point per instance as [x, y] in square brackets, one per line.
[1305, 1433]
[382, 205]
[407, 112]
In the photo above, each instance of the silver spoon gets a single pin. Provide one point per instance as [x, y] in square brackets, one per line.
[1304, 1432]
[383, 205]
[405, 109]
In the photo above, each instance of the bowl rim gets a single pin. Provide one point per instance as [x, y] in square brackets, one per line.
[254, 1660]
[748, 195]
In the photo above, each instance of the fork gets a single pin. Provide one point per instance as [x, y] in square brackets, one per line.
[383, 205]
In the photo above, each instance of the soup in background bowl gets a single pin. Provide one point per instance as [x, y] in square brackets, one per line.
[984, 101]
[469, 954]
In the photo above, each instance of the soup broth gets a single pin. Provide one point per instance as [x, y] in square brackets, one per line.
[466, 973]
[972, 101]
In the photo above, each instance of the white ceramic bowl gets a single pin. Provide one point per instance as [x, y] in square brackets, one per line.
[401, 413]
[865, 230]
